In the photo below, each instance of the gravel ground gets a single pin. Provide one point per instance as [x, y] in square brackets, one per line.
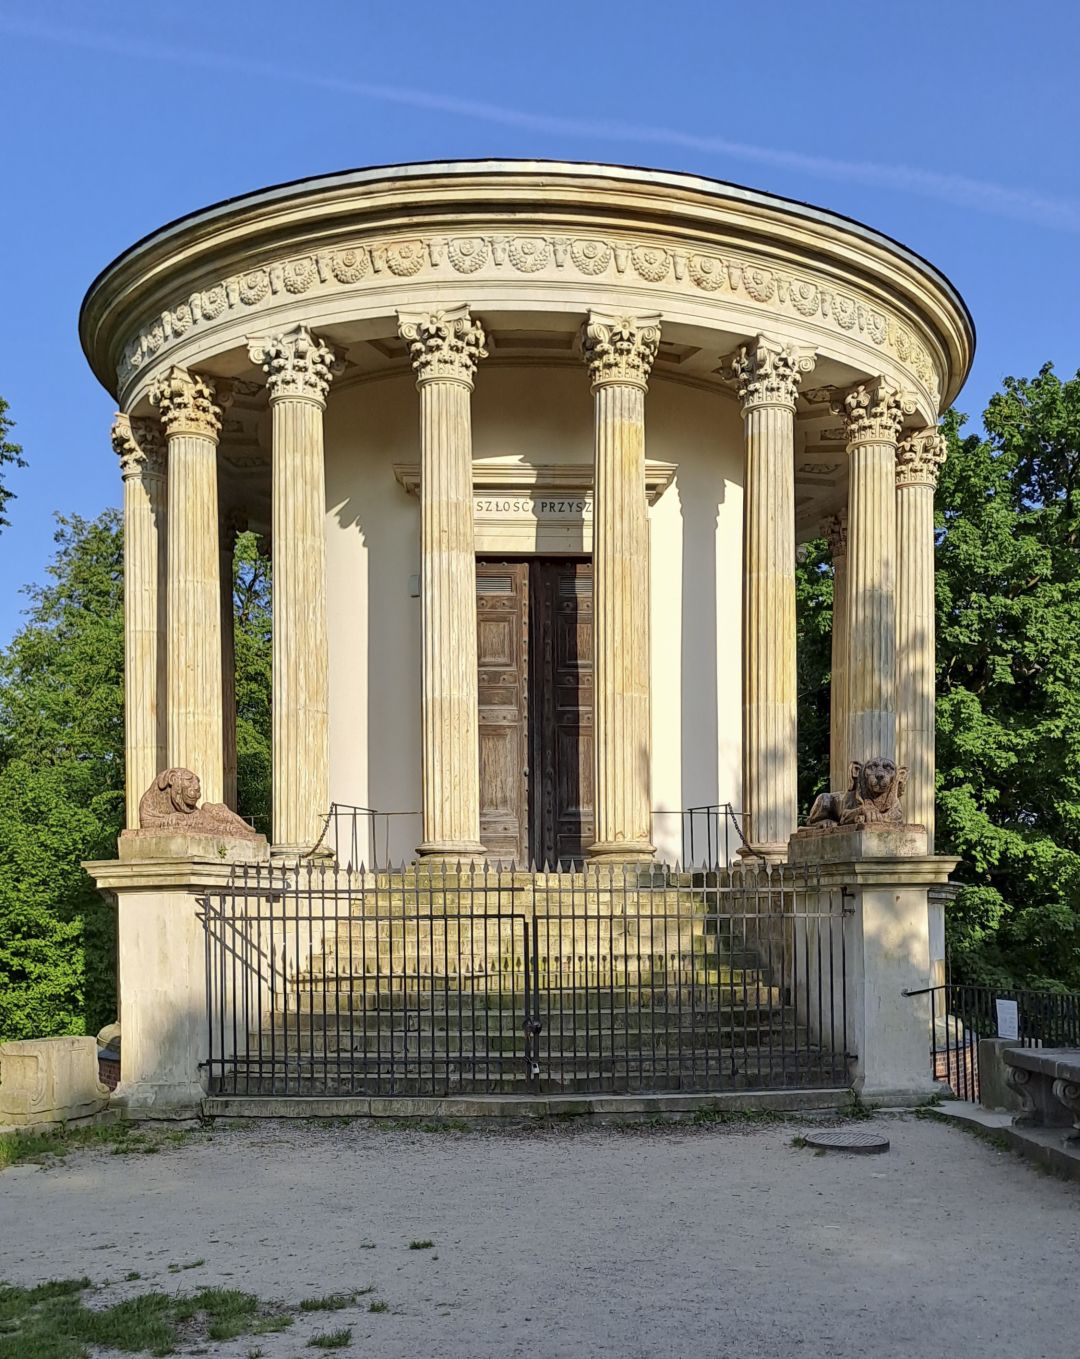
[643, 1243]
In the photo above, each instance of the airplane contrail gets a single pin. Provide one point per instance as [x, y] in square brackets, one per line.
[958, 190]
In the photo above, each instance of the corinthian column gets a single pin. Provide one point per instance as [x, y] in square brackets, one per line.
[620, 351]
[192, 418]
[768, 374]
[874, 413]
[918, 462]
[836, 533]
[445, 347]
[141, 449]
[299, 367]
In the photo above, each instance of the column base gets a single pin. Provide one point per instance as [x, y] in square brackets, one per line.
[622, 852]
[451, 852]
[291, 854]
[773, 854]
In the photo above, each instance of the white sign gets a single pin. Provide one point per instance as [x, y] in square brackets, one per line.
[1008, 1019]
[569, 507]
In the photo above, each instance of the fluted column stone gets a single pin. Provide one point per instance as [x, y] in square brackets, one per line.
[190, 411]
[141, 450]
[445, 347]
[839, 762]
[918, 462]
[620, 351]
[768, 374]
[299, 368]
[874, 414]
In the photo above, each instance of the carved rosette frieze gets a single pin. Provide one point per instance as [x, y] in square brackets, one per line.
[676, 271]
[768, 372]
[874, 412]
[139, 446]
[188, 403]
[297, 364]
[919, 458]
[835, 532]
[620, 348]
[444, 346]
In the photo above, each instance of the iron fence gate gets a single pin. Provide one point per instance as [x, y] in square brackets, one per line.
[325, 981]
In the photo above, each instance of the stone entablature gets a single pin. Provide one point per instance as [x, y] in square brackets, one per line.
[542, 238]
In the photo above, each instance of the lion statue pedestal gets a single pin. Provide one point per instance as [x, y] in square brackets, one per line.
[173, 826]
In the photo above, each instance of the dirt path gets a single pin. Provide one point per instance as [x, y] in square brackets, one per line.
[587, 1242]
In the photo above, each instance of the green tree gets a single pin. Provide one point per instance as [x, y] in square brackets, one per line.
[61, 772]
[61, 781]
[1008, 715]
[251, 600]
[10, 454]
[1008, 661]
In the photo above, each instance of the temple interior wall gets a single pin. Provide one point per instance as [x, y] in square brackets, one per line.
[542, 416]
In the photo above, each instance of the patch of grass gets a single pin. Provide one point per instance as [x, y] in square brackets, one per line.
[16, 1148]
[191, 1264]
[378, 1306]
[857, 1110]
[798, 1141]
[52, 1321]
[329, 1302]
[421, 1245]
[331, 1340]
[444, 1125]
[132, 1275]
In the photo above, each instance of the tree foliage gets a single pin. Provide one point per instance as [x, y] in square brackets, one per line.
[62, 777]
[1008, 661]
[10, 454]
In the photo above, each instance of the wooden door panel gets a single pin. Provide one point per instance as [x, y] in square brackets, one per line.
[561, 748]
[502, 659]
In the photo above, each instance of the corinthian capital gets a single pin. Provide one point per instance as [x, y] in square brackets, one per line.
[296, 363]
[444, 346]
[874, 412]
[139, 446]
[919, 458]
[620, 348]
[188, 403]
[768, 372]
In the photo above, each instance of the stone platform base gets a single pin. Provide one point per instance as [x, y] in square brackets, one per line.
[1045, 1146]
[609, 1108]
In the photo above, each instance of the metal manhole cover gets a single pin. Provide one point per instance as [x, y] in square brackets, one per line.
[847, 1139]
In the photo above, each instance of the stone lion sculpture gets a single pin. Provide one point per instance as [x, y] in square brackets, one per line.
[171, 803]
[872, 800]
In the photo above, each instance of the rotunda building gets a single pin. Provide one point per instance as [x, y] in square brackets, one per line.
[532, 447]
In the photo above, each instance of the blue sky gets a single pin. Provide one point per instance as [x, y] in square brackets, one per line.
[950, 125]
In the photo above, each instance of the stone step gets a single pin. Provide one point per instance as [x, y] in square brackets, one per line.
[353, 998]
[639, 1043]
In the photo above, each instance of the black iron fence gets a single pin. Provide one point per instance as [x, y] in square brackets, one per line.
[367, 837]
[322, 981]
[961, 1015]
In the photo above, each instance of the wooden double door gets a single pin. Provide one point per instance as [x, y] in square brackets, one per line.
[535, 656]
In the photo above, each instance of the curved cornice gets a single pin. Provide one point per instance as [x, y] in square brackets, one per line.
[714, 238]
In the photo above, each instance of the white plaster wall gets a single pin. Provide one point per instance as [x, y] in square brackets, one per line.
[540, 415]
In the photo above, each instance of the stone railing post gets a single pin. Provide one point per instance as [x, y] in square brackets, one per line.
[445, 347]
[190, 411]
[839, 762]
[299, 368]
[918, 462]
[768, 374]
[874, 414]
[141, 449]
[620, 351]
